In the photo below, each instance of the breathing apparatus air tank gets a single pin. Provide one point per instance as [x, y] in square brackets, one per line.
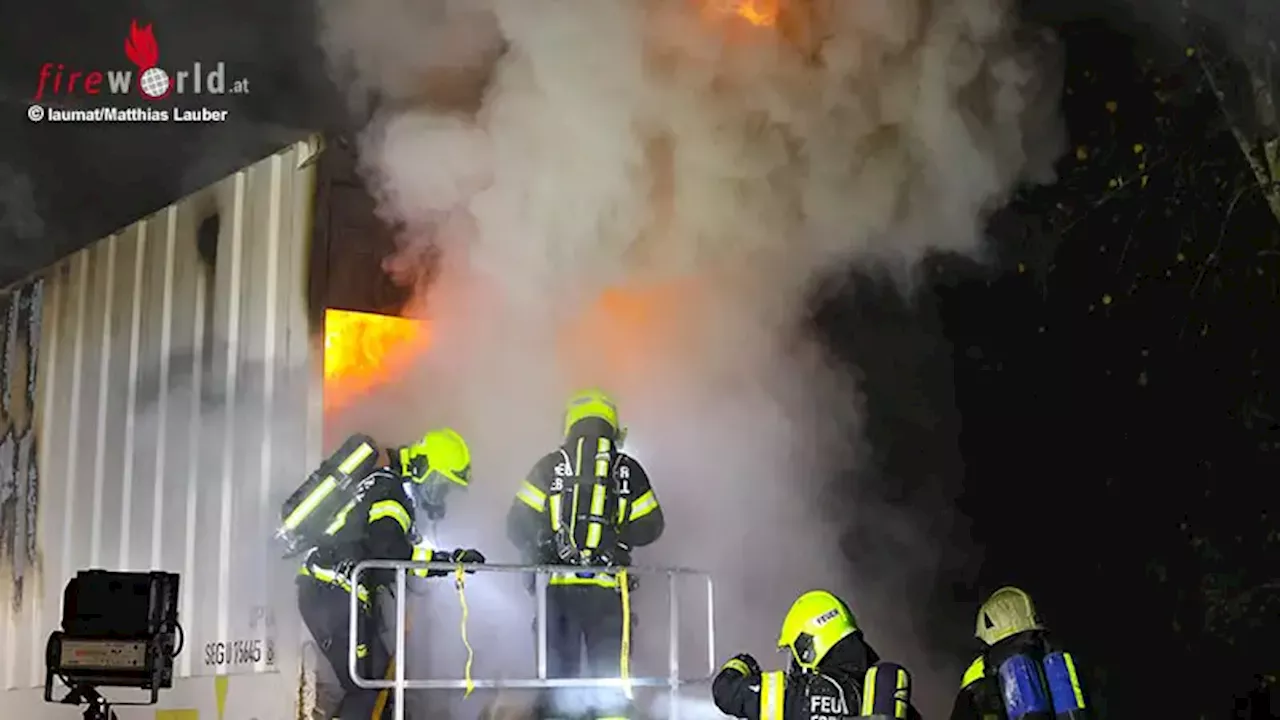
[335, 485]
[1023, 689]
[1064, 686]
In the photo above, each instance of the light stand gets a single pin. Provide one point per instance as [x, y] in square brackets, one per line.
[118, 630]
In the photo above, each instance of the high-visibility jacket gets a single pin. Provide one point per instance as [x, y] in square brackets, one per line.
[595, 496]
[380, 525]
[850, 683]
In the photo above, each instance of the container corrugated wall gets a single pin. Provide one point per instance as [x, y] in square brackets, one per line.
[175, 409]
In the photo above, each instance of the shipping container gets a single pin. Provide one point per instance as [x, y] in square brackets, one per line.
[161, 396]
[165, 389]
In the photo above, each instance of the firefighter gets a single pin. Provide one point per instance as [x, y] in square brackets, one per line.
[379, 523]
[586, 503]
[1020, 674]
[834, 672]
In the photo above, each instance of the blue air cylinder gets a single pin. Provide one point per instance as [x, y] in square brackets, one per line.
[1064, 686]
[1023, 689]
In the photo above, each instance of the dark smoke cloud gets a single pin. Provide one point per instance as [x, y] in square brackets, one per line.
[18, 214]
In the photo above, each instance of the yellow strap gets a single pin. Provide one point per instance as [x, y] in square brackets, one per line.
[385, 693]
[624, 662]
[462, 601]
[603, 580]
[334, 578]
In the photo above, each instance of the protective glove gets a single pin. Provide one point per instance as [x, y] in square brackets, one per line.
[560, 547]
[753, 667]
[736, 688]
[619, 557]
[344, 567]
[466, 556]
[750, 661]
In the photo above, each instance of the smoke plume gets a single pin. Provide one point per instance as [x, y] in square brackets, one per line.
[642, 195]
[21, 226]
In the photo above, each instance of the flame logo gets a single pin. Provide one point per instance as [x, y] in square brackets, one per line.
[142, 50]
[141, 46]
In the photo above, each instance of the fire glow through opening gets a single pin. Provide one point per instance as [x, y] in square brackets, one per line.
[363, 350]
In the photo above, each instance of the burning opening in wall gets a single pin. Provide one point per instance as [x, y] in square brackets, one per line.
[363, 350]
[761, 13]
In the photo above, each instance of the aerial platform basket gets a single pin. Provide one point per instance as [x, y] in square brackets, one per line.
[399, 684]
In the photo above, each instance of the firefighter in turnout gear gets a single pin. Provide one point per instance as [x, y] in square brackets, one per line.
[587, 503]
[834, 673]
[377, 522]
[1020, 674]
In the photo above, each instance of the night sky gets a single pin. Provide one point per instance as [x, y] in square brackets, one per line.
[1115, 385]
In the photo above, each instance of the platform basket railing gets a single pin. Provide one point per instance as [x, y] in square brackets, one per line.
[399, 684]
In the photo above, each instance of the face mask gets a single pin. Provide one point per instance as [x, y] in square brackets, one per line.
[432, 495]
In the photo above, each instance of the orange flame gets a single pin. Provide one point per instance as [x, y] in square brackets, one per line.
[617, 338]
[621, 335]
[141, 46]
[363, 350]
[761, 13]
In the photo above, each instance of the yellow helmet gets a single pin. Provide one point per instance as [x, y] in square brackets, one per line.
[1007, 612]
[816, 621]
[591, 403]
[441, 455]
[436, 464]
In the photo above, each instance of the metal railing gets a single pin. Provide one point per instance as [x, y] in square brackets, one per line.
[400, 683]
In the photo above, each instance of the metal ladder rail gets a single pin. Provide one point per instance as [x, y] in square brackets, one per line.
[400, 684]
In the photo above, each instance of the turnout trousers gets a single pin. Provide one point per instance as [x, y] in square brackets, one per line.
[326, 610]
[584, 619]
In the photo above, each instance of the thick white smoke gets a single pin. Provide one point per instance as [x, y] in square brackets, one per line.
[712, 169]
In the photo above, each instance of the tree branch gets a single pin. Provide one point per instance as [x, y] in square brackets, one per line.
[1260, 147]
